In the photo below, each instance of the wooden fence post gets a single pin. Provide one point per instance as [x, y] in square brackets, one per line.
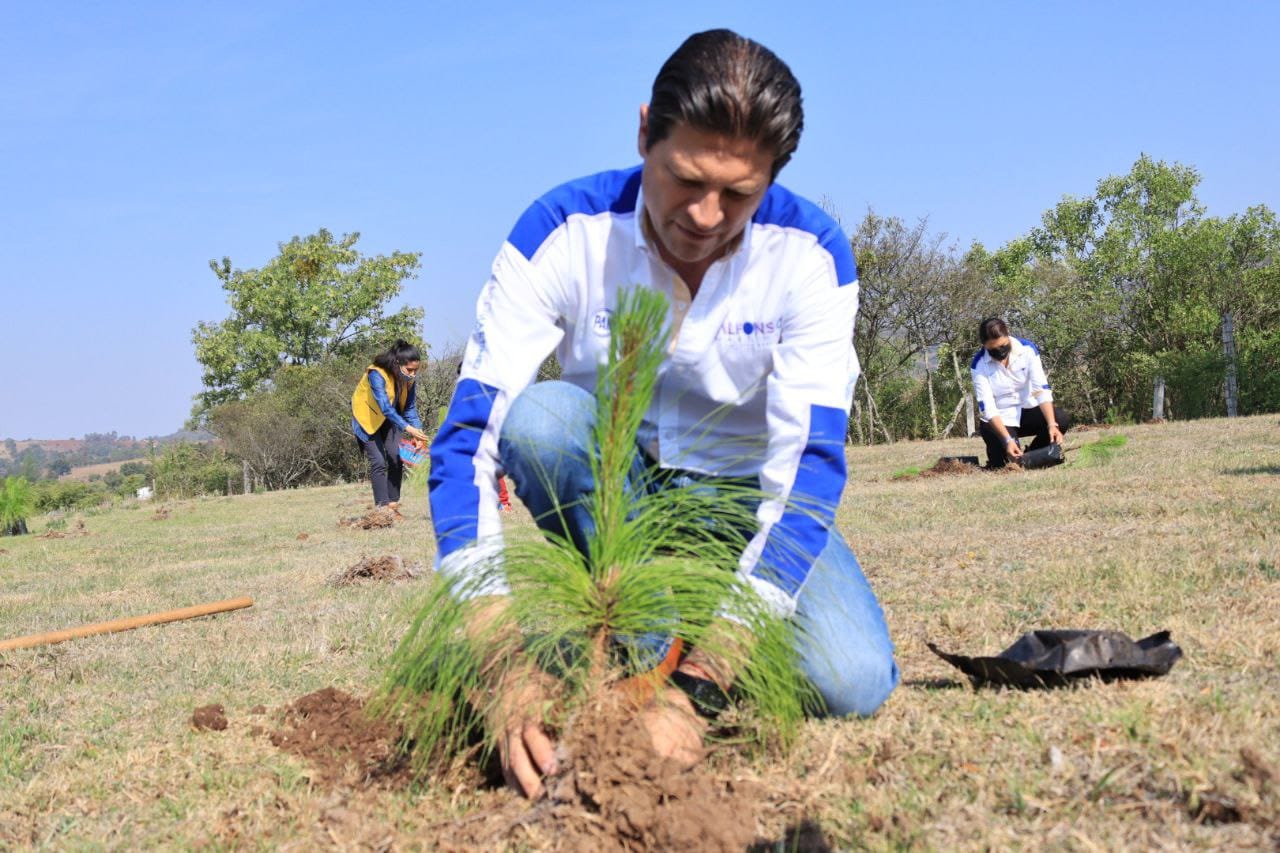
[1229, 353]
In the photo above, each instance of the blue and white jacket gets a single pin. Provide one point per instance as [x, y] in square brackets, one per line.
[1006, 391]
[758, 382]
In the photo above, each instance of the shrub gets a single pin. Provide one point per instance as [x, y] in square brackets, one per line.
[186, 469]
[51, 495]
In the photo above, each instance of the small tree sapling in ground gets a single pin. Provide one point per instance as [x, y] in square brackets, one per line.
[660, 566]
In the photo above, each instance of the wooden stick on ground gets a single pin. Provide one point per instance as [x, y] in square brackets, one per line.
[126, 624]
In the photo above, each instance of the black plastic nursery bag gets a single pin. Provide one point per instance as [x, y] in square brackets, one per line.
[1044, 457]
[1054, 658]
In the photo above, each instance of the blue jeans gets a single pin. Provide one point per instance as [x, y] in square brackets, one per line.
[843, 641]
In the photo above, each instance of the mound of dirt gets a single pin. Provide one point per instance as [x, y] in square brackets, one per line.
[76, 530]
[388, 568]
[303, 537]
[209, 718]
[944, 467]
[161, 514]
[376, 518]
[330, 730]
[614, 793]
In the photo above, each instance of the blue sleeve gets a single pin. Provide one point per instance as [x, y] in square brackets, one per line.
[797, 538]
[379, 388]
[455, 497]
[411, 407]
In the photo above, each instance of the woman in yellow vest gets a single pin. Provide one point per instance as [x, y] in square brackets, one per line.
[382, 407]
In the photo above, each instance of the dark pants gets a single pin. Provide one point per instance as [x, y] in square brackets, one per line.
[1033, 423]
[385, 468]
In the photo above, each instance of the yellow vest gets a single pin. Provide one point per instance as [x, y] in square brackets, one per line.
[365, 406]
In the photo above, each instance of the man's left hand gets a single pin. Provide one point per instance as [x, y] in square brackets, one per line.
[674, 728]
[1055, 434]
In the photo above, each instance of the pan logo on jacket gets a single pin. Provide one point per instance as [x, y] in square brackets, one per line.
[602, 322]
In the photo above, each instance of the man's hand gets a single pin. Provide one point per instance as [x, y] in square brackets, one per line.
[721, 654]
[1055, 434]
[674, 728]
[526, 750]
[520, 694]
[1013, 447]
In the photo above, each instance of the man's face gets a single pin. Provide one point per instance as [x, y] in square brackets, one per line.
[700, 189]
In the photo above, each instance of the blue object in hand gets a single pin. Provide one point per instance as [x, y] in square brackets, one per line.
[410, 454]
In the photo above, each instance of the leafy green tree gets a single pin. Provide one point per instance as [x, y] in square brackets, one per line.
[53, 495]
[906, 279]
[186, 469]
[298, 431]
[319, 298]
[1149, 280]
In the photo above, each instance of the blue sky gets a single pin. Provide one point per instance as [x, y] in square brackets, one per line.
[138, 141]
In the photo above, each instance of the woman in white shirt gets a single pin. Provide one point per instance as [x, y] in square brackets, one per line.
[1013, 394]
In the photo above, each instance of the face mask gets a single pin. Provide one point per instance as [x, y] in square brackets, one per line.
[406, 377]
[1000, 353]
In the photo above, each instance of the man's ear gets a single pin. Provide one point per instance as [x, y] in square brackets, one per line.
[641, 144]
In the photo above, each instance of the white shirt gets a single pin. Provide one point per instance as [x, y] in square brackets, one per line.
[758, 380]
[1007, 390]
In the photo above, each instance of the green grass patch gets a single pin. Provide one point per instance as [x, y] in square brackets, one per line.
[1099, 452]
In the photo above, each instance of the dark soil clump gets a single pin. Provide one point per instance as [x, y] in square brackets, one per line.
[943, 467]
[375, 519]
[388, 568]
[615, 793]
[343, 745]
[209, 718]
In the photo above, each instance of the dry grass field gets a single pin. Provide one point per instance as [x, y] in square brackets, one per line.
[1178, 530]
[85, 472]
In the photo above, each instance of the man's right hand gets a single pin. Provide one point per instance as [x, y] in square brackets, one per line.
[519, 694]
[1013, 447]
[526, 750]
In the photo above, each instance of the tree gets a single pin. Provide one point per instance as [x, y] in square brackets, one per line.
[1150, 281]
[298, 431]
[317, 299]
[906, 278]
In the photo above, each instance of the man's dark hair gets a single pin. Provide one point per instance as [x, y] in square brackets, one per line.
[721, 82]
[992, 328]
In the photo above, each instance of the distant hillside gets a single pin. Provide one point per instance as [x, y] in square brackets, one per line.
[39, 458]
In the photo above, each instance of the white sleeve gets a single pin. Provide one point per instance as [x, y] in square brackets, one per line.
[518, 323]
[1040, 390]
[809, 392]
[984, 396]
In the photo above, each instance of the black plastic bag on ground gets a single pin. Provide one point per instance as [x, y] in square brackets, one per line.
[1044, 457]
[963, 460]
[1055, 658]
